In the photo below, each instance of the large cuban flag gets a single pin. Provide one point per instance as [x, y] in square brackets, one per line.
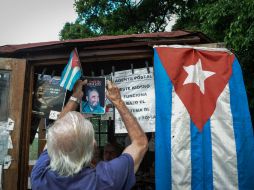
[204, 136]
[72, 71]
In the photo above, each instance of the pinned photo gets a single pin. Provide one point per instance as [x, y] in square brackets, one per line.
[93, 101]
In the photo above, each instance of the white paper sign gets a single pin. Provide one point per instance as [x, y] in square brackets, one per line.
[53, 114]
[137, 91]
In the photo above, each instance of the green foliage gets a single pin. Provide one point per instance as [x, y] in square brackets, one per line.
[114, 17]
[229, 21]
[75, 31]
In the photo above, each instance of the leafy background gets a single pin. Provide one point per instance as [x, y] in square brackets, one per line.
[228, 21]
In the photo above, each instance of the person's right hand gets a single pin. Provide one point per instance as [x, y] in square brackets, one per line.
[77, 89]
[113, 93]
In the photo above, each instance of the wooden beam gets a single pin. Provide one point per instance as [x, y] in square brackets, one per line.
[112, 49]
[41, 136]
[95, 56]
[49, 62]
[145, 43]
[26, 128]
[43, 56]
[113, 52]
[118, 57]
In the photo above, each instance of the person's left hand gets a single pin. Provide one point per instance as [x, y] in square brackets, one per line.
[77, 89]
[113, 93]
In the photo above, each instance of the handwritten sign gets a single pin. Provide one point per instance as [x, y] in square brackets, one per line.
[137, 91]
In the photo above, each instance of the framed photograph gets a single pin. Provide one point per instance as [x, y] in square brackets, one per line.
[49, 97]
[93, 101]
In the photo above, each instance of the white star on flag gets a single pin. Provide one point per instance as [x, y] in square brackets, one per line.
[197, 75]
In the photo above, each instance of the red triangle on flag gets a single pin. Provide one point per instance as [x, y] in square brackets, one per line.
[199, 90]
[75, 59]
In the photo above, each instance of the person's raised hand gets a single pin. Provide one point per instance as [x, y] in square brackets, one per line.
[77, 89]
[113, 93]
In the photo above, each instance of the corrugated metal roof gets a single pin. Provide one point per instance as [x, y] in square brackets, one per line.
[9, 49]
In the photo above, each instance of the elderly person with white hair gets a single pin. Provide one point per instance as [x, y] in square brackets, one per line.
[65, 163]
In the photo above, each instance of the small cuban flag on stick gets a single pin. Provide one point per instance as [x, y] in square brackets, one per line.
[72, 72]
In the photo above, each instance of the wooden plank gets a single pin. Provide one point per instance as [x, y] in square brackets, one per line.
[144, 43]
[17, 72]
[49, 62]
[41, 136]
[88, 54]
[113, 49]
[44, 56]
[119, 52]
[26, 128]
[85, 60]
[118, 57]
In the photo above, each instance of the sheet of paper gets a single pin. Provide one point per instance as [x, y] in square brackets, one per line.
[10, 145]
[7, 162]
[10, 125]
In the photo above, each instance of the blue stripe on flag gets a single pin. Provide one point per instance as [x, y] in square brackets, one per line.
[67, 79]
[242, 129]
[65, 76]
[196, 158]
[64, 72]
[207, 157]
[74, 79]
[163, 87]
[201, 158]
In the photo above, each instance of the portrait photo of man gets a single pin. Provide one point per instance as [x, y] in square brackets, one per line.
[93, 101]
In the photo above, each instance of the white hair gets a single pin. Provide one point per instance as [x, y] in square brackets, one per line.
[70, 144]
